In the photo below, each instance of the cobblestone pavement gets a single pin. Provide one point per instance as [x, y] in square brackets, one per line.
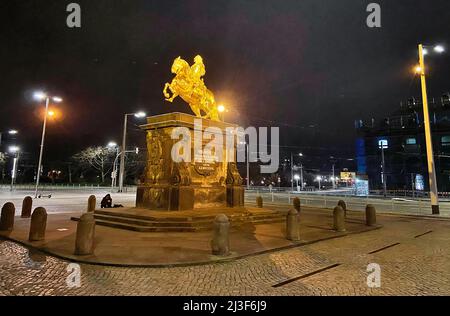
[416, 266]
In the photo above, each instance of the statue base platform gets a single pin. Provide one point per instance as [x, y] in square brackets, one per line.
[145, 220]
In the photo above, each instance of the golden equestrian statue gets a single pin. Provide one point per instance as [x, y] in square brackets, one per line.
[189, 85]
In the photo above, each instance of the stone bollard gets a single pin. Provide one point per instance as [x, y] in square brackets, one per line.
[27, 205]
[342, 204]
[7, 217]
[292, 226]
[338, 219]
[220, 244]
[259, 201]
[296, 203]
[371, 215]
[92, 203]
[84, 243]
[38, 224]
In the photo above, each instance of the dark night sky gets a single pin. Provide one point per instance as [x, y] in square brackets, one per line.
[292, 64]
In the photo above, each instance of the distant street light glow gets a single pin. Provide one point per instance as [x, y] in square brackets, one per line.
[439, 49]
[112, 144]
[13, 149]
[425, 51]
[13, 132]
[51, 113]
[39, 95]
[418, 69]
[221, 108]
[140, 114]
[57, 99]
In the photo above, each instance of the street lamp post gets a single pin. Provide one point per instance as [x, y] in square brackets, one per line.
[292, 172]
[428, 138]
[318, 179]
[302, 185]
[42, 96]
[15, 150]
[113, 145]
[383, 144]
[333, 178]
[123, 149]
[297, 177]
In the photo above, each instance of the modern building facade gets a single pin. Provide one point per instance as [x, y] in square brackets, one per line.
[400, 139]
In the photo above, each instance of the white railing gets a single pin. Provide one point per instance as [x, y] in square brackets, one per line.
[402, 206]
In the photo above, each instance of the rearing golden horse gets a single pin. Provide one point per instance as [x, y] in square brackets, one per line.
[189, 85]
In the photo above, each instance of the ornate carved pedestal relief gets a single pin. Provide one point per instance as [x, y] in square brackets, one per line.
[173, 186]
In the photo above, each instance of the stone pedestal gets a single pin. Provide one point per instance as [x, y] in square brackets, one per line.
[196, 184]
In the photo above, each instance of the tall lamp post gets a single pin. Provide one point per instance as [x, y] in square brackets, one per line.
[319, 178]
[112, 146]
[426, 117]
[292, 172]
[297, 177]
[302, 184]
[40, 96]
[123, 149]
[14, 150]
[383, 144]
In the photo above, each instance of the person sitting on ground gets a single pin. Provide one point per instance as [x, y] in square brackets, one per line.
[106, 202]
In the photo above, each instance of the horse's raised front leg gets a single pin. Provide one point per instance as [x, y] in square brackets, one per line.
[167, 95]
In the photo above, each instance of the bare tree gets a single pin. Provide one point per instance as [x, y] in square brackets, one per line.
[99, 158]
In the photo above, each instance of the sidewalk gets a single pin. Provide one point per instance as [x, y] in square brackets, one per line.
[128, 248]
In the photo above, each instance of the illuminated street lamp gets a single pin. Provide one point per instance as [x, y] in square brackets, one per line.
[383, 144]
[296, 178]
[140, 114]
[14, 150]
[41, 96]
[221, 108]
[439, 49]
[10, 132]
[420, 69]
[112, 146]
[123, 149]
[302, 185]
[319, 178]
[292, 172]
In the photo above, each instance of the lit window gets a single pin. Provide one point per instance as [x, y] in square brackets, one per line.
[411, 141]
